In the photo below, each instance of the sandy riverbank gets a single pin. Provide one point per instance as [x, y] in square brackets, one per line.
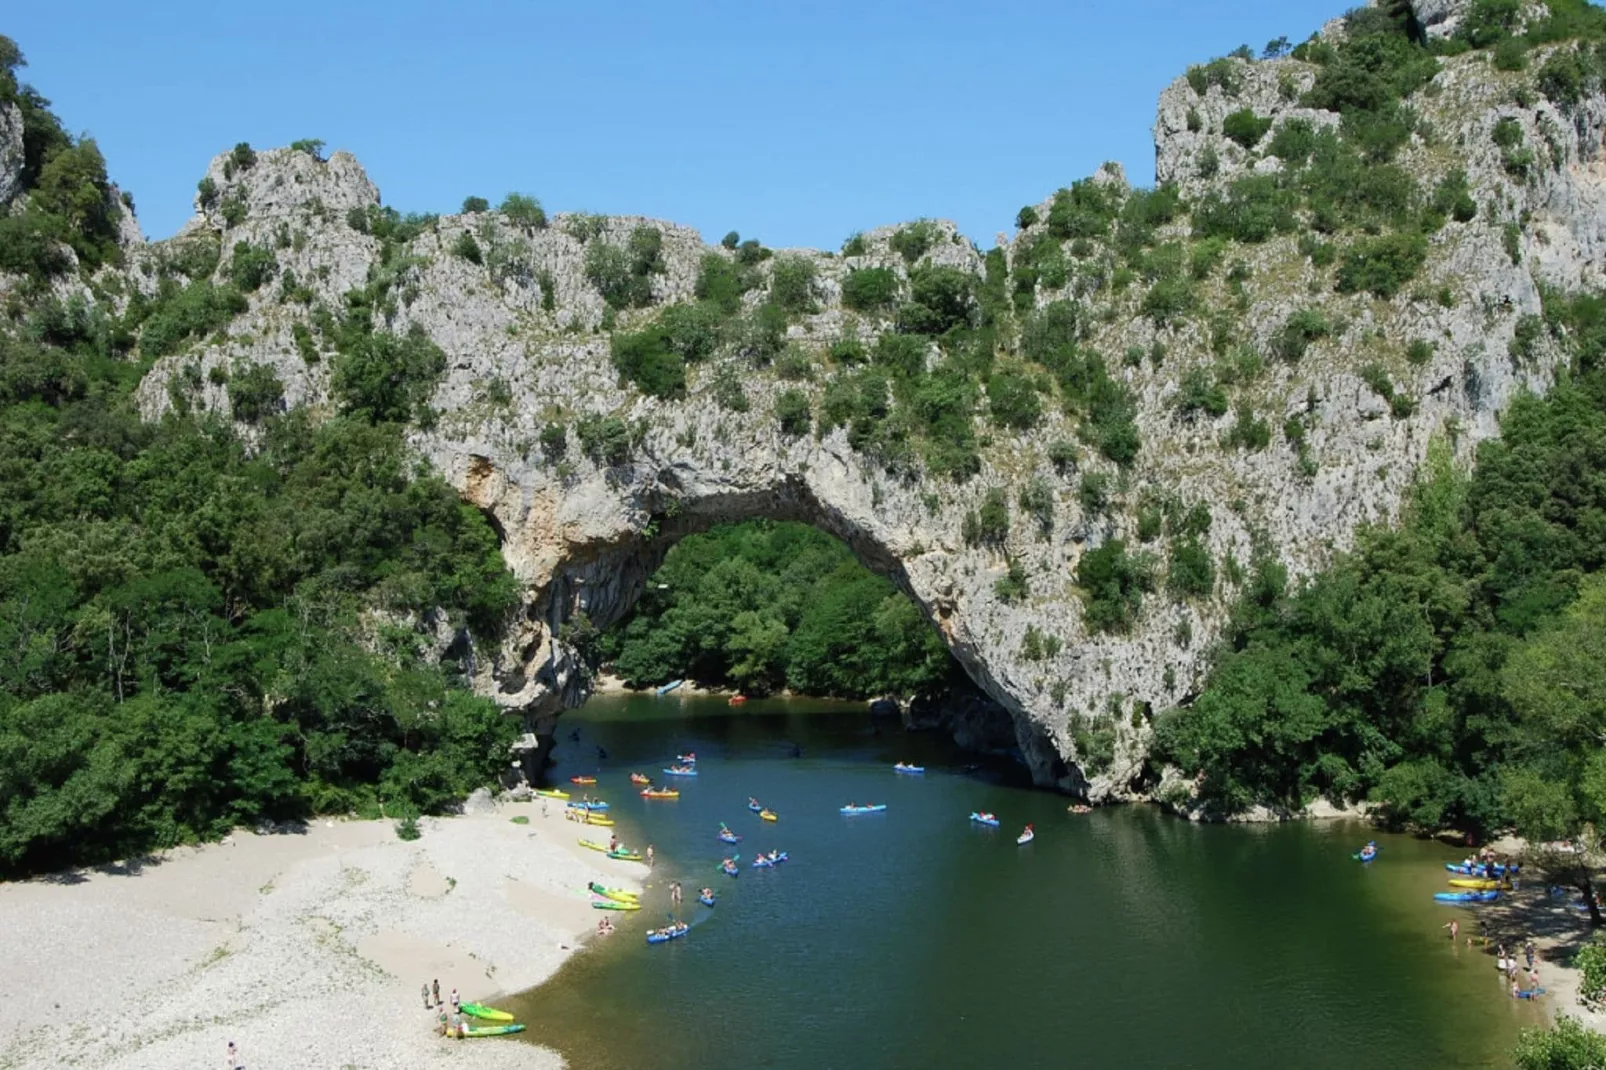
[305, 948]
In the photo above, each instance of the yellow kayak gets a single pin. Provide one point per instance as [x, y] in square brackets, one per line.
[1476, 883]
[768, 815]
[619, 895]
[650, 794]
[594, 845]
[553, 794]
[593, 819]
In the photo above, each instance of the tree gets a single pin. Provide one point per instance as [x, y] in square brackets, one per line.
[1569, 1046]
[523, 210]
[475, 204]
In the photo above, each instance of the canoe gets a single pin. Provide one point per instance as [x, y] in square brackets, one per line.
[613, 904]
[755, 807]
[680, 772]
[765, 862]
[674, 933]
[706, 900]
[670, 686]
[1025, 838]
[637, 778]
[491, 1030]
[554, 794]
[666, 794]
[489, 1014]
[597, 819]
[1478, 883]
[617, 894]
[911, 769]
[876, 809]
[768, 815]
[984, 819]
[582, 780]
[1466, 897]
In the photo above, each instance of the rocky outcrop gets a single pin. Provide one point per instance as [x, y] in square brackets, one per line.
[11, 154]
[527, 338]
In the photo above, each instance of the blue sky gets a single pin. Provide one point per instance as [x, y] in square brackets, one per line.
[794, 123]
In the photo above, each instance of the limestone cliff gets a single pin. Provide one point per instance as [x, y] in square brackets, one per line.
[527, 332]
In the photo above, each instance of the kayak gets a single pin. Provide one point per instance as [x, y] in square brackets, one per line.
[706, 900]
[613, 904]
[675, 933]
[491, 1030]
[582, 780]
[1532, 993]
[876, 809]
[768, 815]
[1466, 897]
[913, 769]
[637, 778]
[755, 807]
[1025, 838]
[764, 861]
[624, 854]
[984, 819]
[594, 819]
[595, 846]
[490, 1014]
[597, 806]
[618, 894]
[553, 794]
[1363, 856]
[665, 793]
[727, 836]
[729, 867]
[1474, 882]
[686, 759]
[736, 700]
[679, 771]
[670, 686]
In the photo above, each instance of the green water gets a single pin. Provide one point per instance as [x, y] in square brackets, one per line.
[1122, 938]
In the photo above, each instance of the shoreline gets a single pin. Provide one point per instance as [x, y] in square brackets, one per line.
[304, 947]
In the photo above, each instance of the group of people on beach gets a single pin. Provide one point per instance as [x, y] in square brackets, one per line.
[452, 1024]
[605, 927]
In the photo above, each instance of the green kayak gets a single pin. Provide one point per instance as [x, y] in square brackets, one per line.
[492, 1030]
[489, 1014]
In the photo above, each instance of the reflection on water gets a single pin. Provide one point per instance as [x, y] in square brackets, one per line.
[1120, 938]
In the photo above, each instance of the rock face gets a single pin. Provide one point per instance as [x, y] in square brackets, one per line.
[11, 154]
[527, 338]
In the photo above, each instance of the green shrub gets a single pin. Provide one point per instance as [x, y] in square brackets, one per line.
[181, 314]
[206, 190]
[1037, 500]
[792, 284]
[1094, 494]
[386, 377]
[728, 391]
[1293, 143]
[1248, 432]
[232, 210]
[731, 240]
[606, 440]
[915, 240]
[1199, 392]
[1525, 338]
[1113, 583]
[1011, 587]
[1063, 455]
[991, 525]
[251, 266]
[407, 829]
[1255, 209]
[524, 211]
[722, 282]
[1222, 73]
[1452, 197]
[72, 191]
[1085, 210]
[941, 299]
[848, 352]
[751, 253]
[793, 413]
[1419, 352]
[312, 146]
[1245, 127]
[1013, 401]
[554, 443]
[467, 248]
[855, 245]
[1562, 78]
[1383, 265]
[255, 393]
[1168, 301]
[608, 268]
[1569, 1045]
[1026, 217]
[1298, 332]
[471, 205]
[870, 289]
[1192, 573]
[1511, 54]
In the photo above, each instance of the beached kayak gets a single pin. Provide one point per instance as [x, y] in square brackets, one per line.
[489, 1014]
[1475, 871]
[670, 686]
[595, 807]
[582, 780]
[618, 894]
[768, 815]
[613, 904]
[876, 809]
[900, 767]
[673, 932]
[1479, 883]
[1466, 897]
[491, 1030]
[678, 771]
[766, 862]
[706, 900]
[624, 854]
[984, 819]
[665, 793]
[598, 819]
[554, 794]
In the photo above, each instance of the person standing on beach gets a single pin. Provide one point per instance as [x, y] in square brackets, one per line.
[435, 987]
[456, 1005]
[1528, 953]
[649, 856]
[423, 990]
[234, 1060]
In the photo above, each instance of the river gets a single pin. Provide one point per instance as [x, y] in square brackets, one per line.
[1122, 938]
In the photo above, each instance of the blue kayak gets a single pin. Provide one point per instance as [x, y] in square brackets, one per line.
[1362, 856]
[989, 821]
[763, 862]
[706, 900]
[588, 806]
[675, 933]
[1476, 871]
[863, 809]
[1532, 993]
[680, 772]
[912, 770]
[670, 686]
[755, 807]
[727, 836]
[1467, 897]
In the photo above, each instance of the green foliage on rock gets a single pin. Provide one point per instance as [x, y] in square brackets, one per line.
[1113, 583]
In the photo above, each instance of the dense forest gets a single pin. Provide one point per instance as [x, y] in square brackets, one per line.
[763, 606]
[194, 634]
[1452, 670]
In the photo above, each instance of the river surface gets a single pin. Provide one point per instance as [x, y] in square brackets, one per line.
[1122, 938]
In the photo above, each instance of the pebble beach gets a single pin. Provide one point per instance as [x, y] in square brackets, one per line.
[306, 947]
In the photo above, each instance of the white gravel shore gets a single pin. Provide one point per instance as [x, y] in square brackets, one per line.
[306, 949]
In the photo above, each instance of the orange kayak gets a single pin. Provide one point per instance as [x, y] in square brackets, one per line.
[582, 780]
